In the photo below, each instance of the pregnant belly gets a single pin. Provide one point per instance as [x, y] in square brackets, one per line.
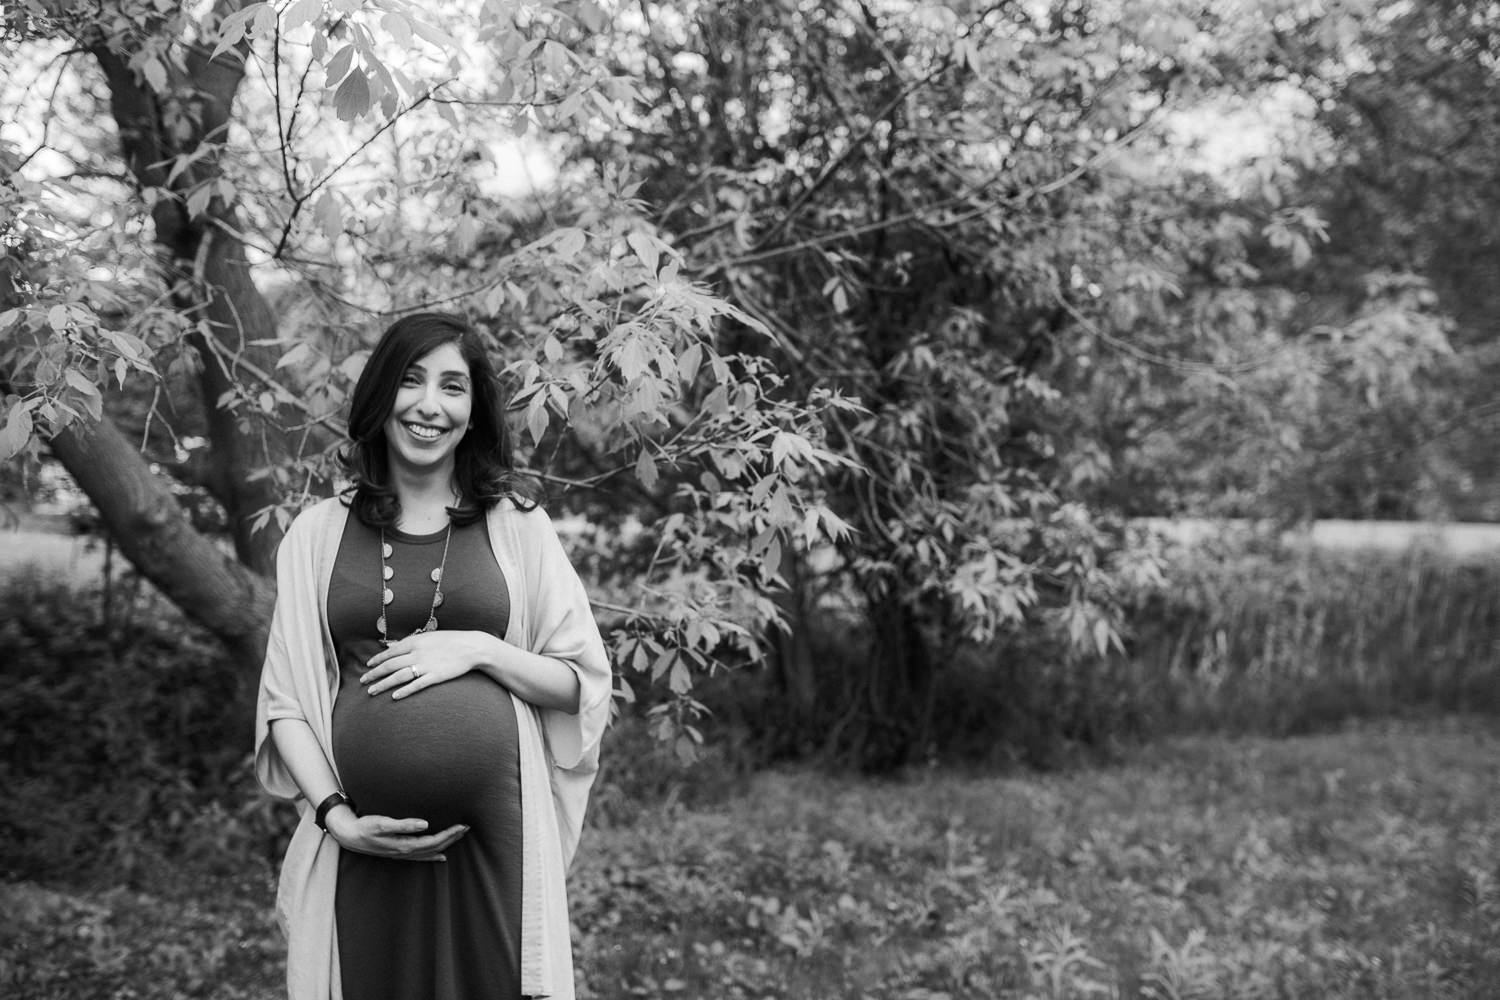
[445, 754]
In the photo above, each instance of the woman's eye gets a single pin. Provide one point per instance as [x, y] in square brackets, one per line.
[411, 378]
[455, 387]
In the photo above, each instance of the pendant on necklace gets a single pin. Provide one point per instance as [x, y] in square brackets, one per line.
[387, 572]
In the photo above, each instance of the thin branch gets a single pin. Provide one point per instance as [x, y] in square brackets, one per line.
[962, 198]
[291, 122]
[51, 101]
[471, 102]
[283, 137]
[547, 477]
[1460, 422]
[621, 609]
[855, 145]
[299, 200]
[1164, 360]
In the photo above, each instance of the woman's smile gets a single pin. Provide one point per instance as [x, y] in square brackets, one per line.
[424, 431]
[430, 415]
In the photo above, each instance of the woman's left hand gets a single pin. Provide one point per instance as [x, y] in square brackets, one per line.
[422, 660]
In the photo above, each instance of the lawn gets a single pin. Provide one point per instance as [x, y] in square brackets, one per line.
[1360, 864]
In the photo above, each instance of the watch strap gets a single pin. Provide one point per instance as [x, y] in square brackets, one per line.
[320, 817]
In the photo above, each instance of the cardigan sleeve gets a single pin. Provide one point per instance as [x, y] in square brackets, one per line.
[562, 626]
[295, 627]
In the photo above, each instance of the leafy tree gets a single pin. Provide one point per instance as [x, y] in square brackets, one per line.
[1349, 381]
[208, 211]
[974, 218]
[1411, 193]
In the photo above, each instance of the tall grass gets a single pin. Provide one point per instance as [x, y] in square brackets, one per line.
[1280, 641]
[1238, 640]
[1243, 638]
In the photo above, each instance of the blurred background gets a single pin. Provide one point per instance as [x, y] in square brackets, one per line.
[1031, 461]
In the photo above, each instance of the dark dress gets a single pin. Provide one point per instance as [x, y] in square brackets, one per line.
[424, 930]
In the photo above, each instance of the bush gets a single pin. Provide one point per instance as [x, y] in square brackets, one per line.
[125, 742]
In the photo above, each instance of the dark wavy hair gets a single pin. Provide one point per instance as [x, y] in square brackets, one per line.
[482, 460]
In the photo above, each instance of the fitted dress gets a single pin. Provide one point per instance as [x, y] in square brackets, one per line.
[415, 930]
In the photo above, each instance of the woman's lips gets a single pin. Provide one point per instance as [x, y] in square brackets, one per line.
[422, 432]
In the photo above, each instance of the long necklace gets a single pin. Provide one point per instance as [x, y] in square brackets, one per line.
[387, 596]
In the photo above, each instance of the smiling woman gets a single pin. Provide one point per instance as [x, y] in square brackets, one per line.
[431, 412]
[427, 403]
[471, 742]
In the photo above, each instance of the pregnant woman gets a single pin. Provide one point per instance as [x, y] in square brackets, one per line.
[433, 696]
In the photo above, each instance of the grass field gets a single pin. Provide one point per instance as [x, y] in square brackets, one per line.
[1361, 864]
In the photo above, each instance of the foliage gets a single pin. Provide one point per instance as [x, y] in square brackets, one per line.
[982, 221]
[378, 194]
[70, 944]
[139, 859]
[1304, 417]
[1355, 377]
[1245, 633]
[1350, 865]
[1416, 124]
[1206, 868]
[124, 751]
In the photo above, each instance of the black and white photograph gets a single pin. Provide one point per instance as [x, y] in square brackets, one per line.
[750, 500]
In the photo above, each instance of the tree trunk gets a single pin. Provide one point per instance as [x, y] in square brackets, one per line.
[897, 686]
[153, 532]
[229, 594]
[792, 656]
[885, 698]
[232, 322]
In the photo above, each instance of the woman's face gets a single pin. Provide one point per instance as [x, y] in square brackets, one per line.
[431, 412]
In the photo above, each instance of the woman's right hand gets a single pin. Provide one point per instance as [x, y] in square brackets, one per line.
[385, 837]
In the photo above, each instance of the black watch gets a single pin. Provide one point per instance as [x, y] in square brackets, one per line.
[321, 816]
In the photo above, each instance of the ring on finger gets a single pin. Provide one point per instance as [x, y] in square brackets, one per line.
[415, 673]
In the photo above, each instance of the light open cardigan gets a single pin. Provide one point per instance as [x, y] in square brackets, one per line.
[558, 752]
